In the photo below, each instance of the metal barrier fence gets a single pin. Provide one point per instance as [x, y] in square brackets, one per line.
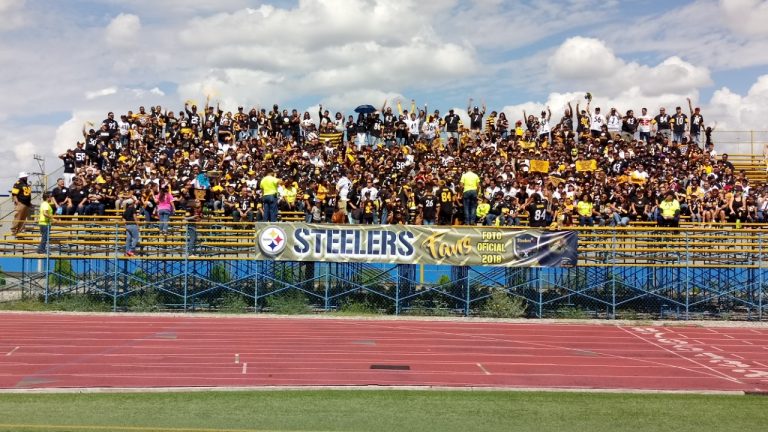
[740, 142]
[633, 273]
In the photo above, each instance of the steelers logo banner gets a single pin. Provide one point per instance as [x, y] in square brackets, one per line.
[415, 244]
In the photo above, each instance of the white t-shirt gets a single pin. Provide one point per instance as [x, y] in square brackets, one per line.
[614, 123]
[596, 122]
[645, 123]
[342, 186]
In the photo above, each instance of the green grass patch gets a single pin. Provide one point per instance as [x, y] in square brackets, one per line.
[385, 411]
[67, 303]
[291, 302]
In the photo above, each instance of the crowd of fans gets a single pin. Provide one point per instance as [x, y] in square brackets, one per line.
[410, 166]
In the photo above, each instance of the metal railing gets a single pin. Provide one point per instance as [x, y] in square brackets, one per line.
[633, 273]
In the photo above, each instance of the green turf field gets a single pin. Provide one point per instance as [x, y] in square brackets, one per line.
[386, 411]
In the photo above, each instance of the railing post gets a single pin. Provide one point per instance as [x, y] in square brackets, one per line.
[613, 276]
[326, 290]
[687, 275]
[760, 276]
[115, 266]
[258, 268]
[47, 265]
[186, 266]
[540, 291]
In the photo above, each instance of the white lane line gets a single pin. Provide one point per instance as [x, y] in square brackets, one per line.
[539, 345]
[737, 356]
[699, 342]
[729, 336]
[485, 371]
[716, 348]
[12, 351]
[717, 373]
[237, 358]
[748, 342]
[760, 364]
[755, 331]
[245, 368]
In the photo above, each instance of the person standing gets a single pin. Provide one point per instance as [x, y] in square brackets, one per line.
[470, 182]
[132, 236]
[165, 207]
[22, 199]
[269, 185]
[44, 221]
[193, 216]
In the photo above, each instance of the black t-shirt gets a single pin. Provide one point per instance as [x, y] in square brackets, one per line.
[537, 214]
[69, 164]
[680, 121]
[697, 120]
[629, 125]
[77, 195]
[129, 215]
[452, 123]
[662, 121]
[23, 192]
[60, 194]
[429, 206]
[475, 120]
[80, 157]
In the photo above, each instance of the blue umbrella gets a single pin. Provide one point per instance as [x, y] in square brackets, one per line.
[365, 109]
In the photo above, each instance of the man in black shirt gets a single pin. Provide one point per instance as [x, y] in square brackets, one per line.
[132, 236]
[537, 211]
[663, 124]
[697, 123]
[428, 206]
[81, 158]
[475, 118]
[22, 198]
[452, 124]
[69, 166]
[445, 209]
[78, 196]
[629, 126]
[60, 196]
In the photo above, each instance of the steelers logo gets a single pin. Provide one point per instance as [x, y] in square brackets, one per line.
[272, 240]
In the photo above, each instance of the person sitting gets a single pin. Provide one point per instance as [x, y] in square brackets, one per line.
[669, 211]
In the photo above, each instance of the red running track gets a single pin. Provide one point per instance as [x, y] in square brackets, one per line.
[96, 351]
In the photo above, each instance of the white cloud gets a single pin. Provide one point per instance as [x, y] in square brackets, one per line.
[746, 16]
[100, 93]
[589, 62]
[12, 14]
[735, 112]
[333, 46]
[123, 31]
[723, 35]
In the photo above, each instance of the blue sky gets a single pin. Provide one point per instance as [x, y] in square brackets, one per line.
[72, 61]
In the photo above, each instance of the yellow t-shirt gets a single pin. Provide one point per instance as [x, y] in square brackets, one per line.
[669, 208]
[45, 209]
[269, 185]
[322, 191]
[483, 209]
[584, 208]
[470, 181]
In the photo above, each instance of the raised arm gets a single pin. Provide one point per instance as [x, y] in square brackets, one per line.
[690, 106]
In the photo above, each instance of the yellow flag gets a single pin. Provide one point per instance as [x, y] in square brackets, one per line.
[586, 165]
[541, 166]
[527, 144]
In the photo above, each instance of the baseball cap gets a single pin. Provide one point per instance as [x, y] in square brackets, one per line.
[23, 174]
